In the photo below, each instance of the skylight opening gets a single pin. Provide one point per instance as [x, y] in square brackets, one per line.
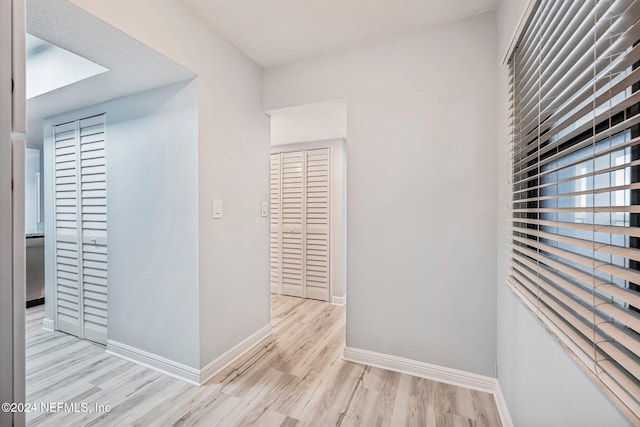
[49, 67]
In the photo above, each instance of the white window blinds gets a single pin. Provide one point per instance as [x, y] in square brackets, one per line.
[575, 241]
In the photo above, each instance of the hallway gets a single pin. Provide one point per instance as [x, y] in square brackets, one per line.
[294, 377]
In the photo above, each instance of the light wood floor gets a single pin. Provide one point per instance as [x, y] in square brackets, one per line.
[296, 377]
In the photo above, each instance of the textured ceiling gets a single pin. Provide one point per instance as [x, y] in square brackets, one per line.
[273, 32]
[134, 67]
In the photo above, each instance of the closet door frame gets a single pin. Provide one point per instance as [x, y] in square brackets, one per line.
[337, 227]
[79, 228]
[275, 265]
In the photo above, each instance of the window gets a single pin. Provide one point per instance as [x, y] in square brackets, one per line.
[575, 158]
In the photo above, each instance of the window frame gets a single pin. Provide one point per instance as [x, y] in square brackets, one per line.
[548, 265]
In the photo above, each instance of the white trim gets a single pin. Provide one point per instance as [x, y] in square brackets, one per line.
[339, 300]
[501, 404]
[182, 372]
[47, 325]
[420, 369]
[304, 107]
[308, 145]
[233, 354]
[276, 289]
[18, 152]
[157, 363]
[518, 31]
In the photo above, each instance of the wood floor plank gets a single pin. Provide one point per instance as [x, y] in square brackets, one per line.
[421, 399]
[295, 377]
[387, 385]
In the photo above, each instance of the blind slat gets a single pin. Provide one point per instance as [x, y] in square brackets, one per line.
[600, 137]
[585, 262]
[578, 130]
[630, 253]
[579, 89]
[614, 291]
[587, 156]
[598, 228]
[576, 59]
[634, 186]
[584, 111]
[581, 315]
[629, 318]
[579, 319]
[608, 372]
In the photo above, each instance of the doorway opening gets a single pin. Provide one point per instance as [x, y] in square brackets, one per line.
[131, 114]
[308, 202]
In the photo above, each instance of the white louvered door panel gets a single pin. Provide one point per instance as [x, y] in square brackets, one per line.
[274, 224]
[292, 223]
[93, 182]
[67, 259]
[316, 255]
[81, 228]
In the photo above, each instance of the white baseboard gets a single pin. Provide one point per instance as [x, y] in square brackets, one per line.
[233, 354]
[339, 300]
[420, 369]
[275, 289]
[155, 362]
[432, 372]
[503, 410]
[183, 372]
[47, 325]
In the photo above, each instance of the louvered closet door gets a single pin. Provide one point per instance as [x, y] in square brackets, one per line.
[274, 223]
[67, 259]
[292, 221]
[81, 228]
[316, 254]
[93, 182]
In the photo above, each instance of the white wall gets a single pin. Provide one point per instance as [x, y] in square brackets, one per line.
[152, 193]
[233, 165]
[421, 224]
[315, 122]
[541, 383]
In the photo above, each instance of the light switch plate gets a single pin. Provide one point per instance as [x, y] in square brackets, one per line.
[217, 209]
[264, 208]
